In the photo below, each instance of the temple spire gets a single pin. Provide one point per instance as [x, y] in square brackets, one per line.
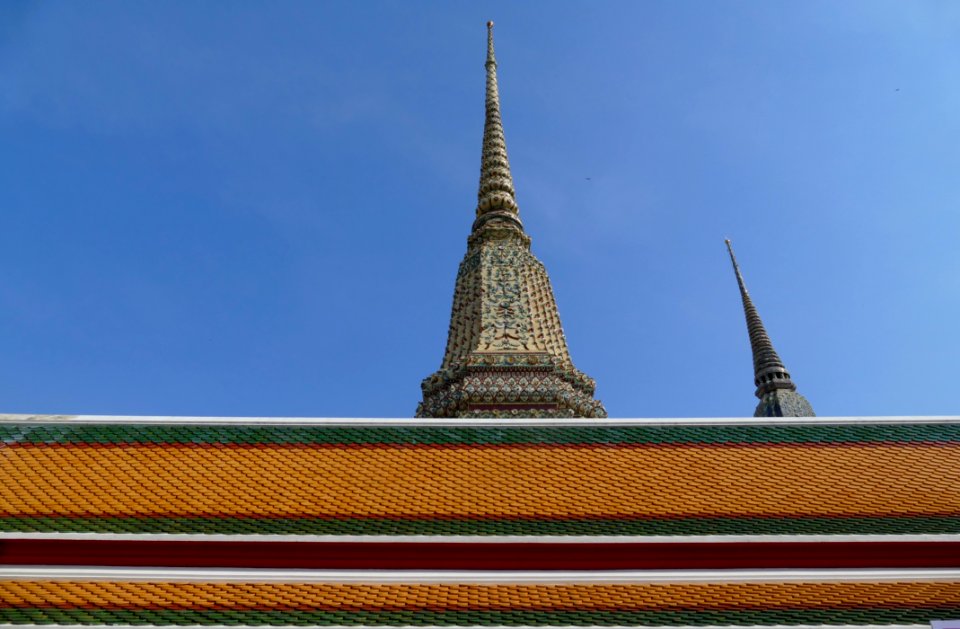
[775, 388]
[506, 354]
[496, 197]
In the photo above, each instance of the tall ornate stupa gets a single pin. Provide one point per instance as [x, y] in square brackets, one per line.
[776, 390]
[506, 353]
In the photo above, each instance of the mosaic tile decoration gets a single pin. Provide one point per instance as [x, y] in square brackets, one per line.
[506, 352]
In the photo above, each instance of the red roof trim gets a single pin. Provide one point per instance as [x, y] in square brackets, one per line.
[481, 556]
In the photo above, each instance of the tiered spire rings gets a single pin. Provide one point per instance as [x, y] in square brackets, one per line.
[776, 390]
[496, 198]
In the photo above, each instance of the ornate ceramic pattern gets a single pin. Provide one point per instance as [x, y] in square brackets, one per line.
[783, 403]
[506, 353]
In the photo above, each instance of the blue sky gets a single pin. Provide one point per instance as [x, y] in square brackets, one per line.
[258, 209]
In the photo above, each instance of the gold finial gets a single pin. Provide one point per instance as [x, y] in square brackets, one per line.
[496, 196]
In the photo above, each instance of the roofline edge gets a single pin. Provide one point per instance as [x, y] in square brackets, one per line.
[487, 539]
[112, 626]
[29, 419]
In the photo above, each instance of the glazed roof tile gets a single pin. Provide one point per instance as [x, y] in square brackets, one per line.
[580, 604]
[699, 495]
[475, 478]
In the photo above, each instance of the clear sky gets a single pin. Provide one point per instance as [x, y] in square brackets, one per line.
[258, 208]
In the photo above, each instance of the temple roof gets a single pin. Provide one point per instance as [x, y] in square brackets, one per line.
[211, 521]
[514, 477]
[902, 602]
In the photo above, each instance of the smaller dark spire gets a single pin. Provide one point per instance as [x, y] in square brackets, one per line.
[775, 388]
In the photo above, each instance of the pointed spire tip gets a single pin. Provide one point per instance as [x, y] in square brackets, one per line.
[733, 258]
[496, 197]
[768, 370]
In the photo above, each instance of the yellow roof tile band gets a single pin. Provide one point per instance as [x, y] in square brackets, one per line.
[436, 482]
[106, 595]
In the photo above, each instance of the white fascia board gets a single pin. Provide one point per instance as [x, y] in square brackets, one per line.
[373, 422]
[486, 539]
[545, 577]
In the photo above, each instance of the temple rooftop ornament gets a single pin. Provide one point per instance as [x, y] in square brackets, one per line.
[777, 392]
[506, 353]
